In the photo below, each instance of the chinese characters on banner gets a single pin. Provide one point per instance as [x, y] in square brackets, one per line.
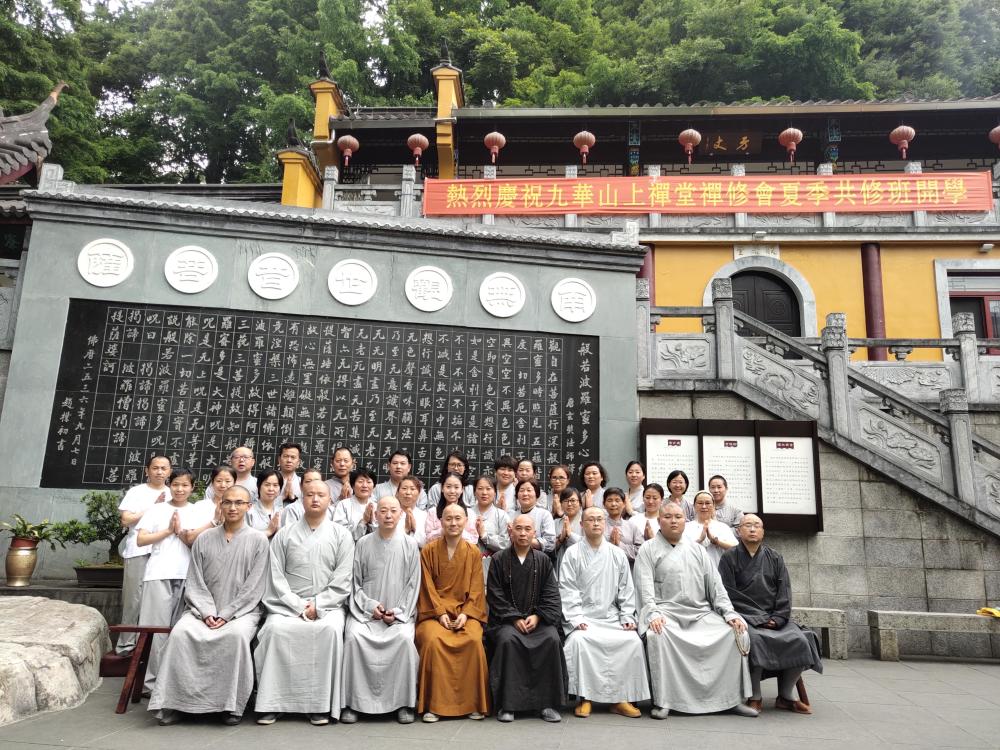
[713, 194]
[194, 383]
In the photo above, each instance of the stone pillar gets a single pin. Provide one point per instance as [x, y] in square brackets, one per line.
[644, 338]
[739, 170]
[833, 344]
[725, 328]
[653, 170]
[915, 167]
[871, 279]
[955, 407]
[300, 184]
[408, 206]
[826, 170]
[489, 173]
[331, 176]
[963, 326]
[572, 172]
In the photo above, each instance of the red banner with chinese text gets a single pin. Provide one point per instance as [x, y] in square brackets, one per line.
[713, 194]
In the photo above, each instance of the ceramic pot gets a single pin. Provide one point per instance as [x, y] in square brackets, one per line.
[21, 560]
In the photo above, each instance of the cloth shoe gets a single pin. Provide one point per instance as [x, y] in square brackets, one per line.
[267, 719]
[756, 704]
[550, 714]
[321, 720]
[232, 719]
[347, 716]
[505, 716]
[582, 708]
[743, 710]
[795, 706]
[626, 709]
[659, 713]
[430, 718]
[403, 716]
[476, 716]
[169, 717]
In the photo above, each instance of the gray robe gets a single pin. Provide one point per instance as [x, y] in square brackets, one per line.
[695, 665]
[380, 661]
[604, 663]
[299, 661]
[759, 588]
[225, 579]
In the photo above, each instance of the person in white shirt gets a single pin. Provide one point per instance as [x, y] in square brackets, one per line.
[357, 513]
[454, 463]
[635, 478]
[648, 521]
[528, 469]
[265, 513]
[137, 501]
[207, 512]
[243, 460]
[505, 470]
[400, 464]
[714, 535]
[289, 462]
[414, 520]
[342, 463]
[593, 480]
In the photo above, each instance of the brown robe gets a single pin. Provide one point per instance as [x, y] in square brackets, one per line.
[453, 671]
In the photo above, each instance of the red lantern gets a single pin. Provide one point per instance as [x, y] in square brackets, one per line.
[494, 142]
[790, 138]
[584, 140]
[689, 139]
[995, 135]
[902, 137]
[348, 144]
[417, 143]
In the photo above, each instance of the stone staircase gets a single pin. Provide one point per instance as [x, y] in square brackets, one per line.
[934, 453]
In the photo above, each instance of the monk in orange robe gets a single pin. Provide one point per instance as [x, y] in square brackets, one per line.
[451, 612]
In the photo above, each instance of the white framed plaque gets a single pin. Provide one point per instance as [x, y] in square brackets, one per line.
[105, 262]
[787, 475]
[191, 269]
[735, 458]
[273, 275]
[502, 294]
[664, 453]
[428, 288]
[574, 300]
[352, 282]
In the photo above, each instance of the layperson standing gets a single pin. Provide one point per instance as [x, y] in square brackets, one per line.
[414, 520]
[452, 491]
[617, 529]
[357, 512]
[300, 649]
[593, 480]
[342, 463]
[604, 657]
[544, 538]
[558, 481]
[714, 535]
[380, 659]
[647, 522]
[224, 587]
[242, 459]
[528, 469]
[695, 640]
[728, 513]
[505, 470]
[568, 527]
[635, 479]
[289, 462]
[451, 611]
[677, 486]
[527, 667]
[207, 511]
[400, 465]
[137, 501]
[758, 584]
[491, 522]
[265, 514]
[454, 463]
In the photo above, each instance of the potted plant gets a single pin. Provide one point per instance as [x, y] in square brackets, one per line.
[22, 556]
[103, 524]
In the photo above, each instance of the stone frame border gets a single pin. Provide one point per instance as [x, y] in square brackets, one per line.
[941, 269]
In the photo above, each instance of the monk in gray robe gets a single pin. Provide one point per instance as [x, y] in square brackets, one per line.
[527, 668]
[380, 658]
[224, 587]
[695, 641]
[604, 657]
[757, 581]
[300, 649]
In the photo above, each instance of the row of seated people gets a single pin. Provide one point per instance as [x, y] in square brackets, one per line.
[416, 619]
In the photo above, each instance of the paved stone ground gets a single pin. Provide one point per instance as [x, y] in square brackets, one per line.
[860, 702]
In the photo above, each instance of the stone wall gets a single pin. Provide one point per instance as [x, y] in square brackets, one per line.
[882, 547]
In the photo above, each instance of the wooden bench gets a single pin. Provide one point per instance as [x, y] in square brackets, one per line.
[136, 675]
[832, 624]
[882, 625]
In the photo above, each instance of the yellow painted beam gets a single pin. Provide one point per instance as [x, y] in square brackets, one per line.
[300, 184]
[450, 96]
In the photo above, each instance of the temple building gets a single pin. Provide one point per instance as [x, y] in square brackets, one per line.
[801, 296]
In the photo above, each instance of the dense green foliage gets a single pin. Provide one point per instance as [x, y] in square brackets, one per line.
[187, 90]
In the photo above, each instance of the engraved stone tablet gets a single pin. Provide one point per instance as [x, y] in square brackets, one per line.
[502, 294]
[105, 262]
[352, 282]
[574, 300]
[273, 275]
[428, 288]
[191, 269]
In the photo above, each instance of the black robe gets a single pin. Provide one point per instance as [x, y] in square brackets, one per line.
[759, 589]
[527, 671]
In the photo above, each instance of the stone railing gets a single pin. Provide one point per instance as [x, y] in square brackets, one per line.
[935, 453]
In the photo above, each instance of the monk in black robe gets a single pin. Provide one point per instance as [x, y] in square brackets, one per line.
[527, 666]
[757, 581]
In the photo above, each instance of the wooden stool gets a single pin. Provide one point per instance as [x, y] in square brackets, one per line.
[137, 664]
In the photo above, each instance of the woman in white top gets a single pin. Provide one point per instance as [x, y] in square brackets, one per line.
[454, 463]
[593, 480]
[137, 501]
[677, 485]
[505, 470]
[558, 481]
[715, 536]
[568, 531]
[526, 469]
[451, 492]
[617, 529]
[265, 514]
[648, 522]
[414, 520]
[207, 512]
[635, 476]
[357, 512]
[492, 524]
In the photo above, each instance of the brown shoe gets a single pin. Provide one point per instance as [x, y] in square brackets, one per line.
[795, 706]
[626, 709]
[582, 708]
[756, 704]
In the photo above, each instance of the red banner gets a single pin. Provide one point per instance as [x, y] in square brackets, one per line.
[713, 194]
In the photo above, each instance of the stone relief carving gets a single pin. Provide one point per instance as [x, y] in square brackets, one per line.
[367, 208]
[690, 221]
[896, 440]
[955, 218]
[548, 222]
[683, 355]
[874, 220]
[783, 220]
[910, 379]
[780, 381]
[993, 488]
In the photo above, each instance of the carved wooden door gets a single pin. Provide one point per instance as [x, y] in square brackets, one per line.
[768, 299]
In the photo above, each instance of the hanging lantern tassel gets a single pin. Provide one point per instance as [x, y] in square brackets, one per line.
[689, 139]
[494, 142]
[790, 138]
[902, 137]
[995, 136]
[584, 140]
[417, 143]
[348, 144]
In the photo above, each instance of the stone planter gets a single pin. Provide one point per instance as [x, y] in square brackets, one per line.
[99, 576]
[21, 560]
